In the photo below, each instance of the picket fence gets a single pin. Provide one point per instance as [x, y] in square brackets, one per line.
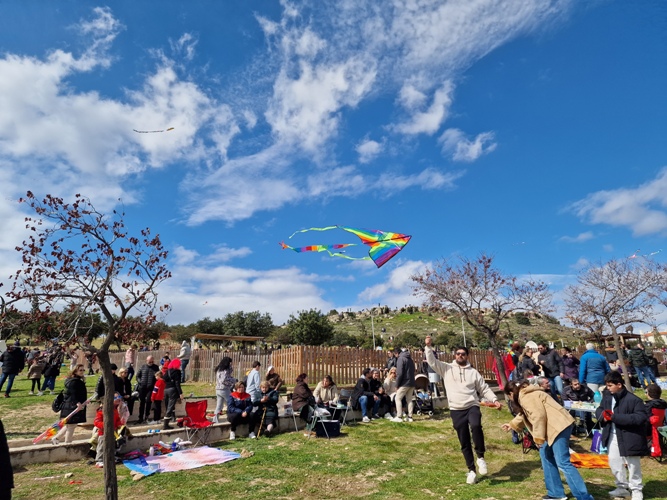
[343, 364]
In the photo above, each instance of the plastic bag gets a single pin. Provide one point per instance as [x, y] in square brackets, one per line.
[596, 441]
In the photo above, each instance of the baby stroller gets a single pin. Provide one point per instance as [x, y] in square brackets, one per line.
[423, 398]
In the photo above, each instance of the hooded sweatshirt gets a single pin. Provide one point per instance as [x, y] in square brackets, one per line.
[464, 385]
[405, 370]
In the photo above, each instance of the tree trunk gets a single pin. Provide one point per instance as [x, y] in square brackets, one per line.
[621, 358]
[110, 478]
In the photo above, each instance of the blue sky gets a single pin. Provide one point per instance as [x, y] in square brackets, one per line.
[530, 129]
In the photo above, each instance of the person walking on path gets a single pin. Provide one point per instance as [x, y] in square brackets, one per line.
[75, 397]
[550, 425]
[184, 355]
[146, 382]
[593, 366]
[405, 384]
[465, 386]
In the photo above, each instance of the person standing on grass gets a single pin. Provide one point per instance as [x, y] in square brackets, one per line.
[75, 397]
[224, 383]
[52, 371]
[593, 366]
[146, 382]
[254, 379]
[157, 396]
[624, 420]
[465, 386]
[37, 365]
[184, 356]
[172, 392]
[405, 384]
[550, 425]
[552, 367]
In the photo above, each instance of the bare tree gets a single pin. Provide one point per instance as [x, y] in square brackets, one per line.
[78, 262]
[483, 295]
[615, 295]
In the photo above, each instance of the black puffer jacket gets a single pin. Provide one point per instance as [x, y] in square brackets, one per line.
[146, 376]
[631, 420]
[13, 361]
[363, 388]
[551, 362]
[638, 357]
[75, 392]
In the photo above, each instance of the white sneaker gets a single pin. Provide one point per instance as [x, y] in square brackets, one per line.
[31, 393]
[40, 393]
[409, 419]
[252, 435]
[365, 420]
[397, 420]
[55, 442]
[619, 492]
[232, 435]
[481, 467]
[471, 478]
[637, 495]
[51, 392]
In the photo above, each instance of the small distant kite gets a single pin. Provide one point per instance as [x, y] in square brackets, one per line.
[634, 255]
[383, 245]
[655, 253]
[152, 131]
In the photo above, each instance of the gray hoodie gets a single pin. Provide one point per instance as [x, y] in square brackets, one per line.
[465, 386]
[405, 370]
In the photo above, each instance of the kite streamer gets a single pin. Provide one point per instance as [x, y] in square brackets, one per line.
[383, 245]
[152, 131]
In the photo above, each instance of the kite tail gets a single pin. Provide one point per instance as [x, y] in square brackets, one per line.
[314, 229]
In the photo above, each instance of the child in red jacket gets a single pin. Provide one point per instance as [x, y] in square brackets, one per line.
[99, 424]
[656, 409]
[158, 396]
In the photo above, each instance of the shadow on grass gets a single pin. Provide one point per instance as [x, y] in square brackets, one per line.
[515, 471]
[655, 489]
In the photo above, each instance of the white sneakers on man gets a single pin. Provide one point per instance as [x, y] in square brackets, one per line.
[397, 420]
[481, 467]
[365, 420]
[637, 495]
[471, 478]
[232, 435]
[620, 493]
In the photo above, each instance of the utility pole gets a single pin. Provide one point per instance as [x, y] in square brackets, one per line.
[464, 332]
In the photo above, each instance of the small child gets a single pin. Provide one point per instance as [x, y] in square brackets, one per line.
[158, 395]
[35, 374]
[99, 424]
[656, 409]
[623, 418]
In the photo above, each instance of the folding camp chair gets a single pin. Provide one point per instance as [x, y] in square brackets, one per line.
[289, 410]
[345, 404]
[197, 426]
[319, 415]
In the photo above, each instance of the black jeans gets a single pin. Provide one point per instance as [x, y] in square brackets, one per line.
[236, 419]
[144, 402]
[464, 422]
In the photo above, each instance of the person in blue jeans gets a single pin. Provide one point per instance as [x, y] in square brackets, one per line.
[13, 361]
[593, 366]
[551, 426]
[362, 396]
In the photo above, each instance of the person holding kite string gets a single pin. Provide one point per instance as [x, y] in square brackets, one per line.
[465, 386]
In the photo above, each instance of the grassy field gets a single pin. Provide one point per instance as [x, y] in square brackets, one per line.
[377, 461]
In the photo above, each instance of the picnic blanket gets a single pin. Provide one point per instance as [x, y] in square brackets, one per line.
[192, 458]
[589, 460]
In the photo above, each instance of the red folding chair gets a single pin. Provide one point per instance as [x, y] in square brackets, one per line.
[197, 426]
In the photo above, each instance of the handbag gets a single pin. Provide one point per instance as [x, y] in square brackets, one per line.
[596, 441]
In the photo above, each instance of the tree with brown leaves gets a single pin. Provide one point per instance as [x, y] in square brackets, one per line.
[78, 263]
[483, 295]
[615, 295]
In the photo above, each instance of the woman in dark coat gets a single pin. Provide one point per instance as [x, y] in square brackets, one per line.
[172, 391]
[76, 396]
[303, 400]
[526, 363]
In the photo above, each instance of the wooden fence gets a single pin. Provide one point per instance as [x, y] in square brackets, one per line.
[343, 364]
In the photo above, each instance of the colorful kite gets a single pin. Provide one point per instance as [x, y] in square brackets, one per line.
[55, 428]
[383, 245]
[152, 131]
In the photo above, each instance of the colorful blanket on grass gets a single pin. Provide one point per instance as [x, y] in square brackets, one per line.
[181, 460]
[589, 460]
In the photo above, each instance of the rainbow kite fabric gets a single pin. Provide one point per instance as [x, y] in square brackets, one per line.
[383, 245]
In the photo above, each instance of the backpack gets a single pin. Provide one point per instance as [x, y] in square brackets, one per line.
[58, 402]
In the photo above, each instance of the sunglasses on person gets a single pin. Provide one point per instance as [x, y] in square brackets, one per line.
[461, 353]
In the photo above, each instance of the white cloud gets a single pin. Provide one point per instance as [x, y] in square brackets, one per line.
[202, 287]
[428, 121]
[455, 143]
[581, 263]
[643, 209]
[429, 178]
[368, 150]
[185, 45]
[580, 238]
[397, 290]
[608, 247]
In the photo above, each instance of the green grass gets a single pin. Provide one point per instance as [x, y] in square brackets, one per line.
[377, 461]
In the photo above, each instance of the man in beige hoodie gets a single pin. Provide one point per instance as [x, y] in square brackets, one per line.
[465, 387]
